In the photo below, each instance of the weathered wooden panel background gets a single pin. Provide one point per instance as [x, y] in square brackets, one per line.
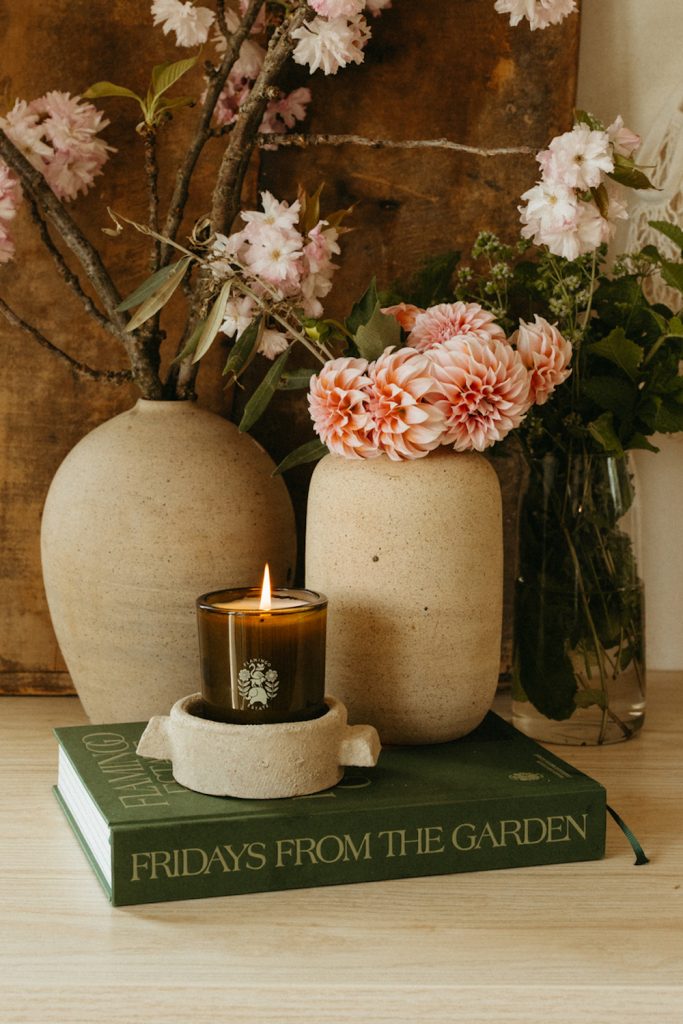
[433, 69]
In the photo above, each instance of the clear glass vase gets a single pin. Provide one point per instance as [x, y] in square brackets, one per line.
[579, 662]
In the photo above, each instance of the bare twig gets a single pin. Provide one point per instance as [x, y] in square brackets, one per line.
[220, 18]
[35, 185]
[226, 193]
[149, 139]
[215, 86]
[79, 368]
[301, 141]
[66, 272]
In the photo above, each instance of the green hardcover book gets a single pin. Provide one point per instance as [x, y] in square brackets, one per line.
[494, 799]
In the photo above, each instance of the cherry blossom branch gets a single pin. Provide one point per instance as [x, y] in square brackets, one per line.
[220, 18]
[79, 368]
[226, 193]
[66, 272]
[301, 141]
[149, 139]
[35, 185]
[215, 87]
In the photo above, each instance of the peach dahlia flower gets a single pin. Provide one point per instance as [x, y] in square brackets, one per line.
[485, 391]
[404, 313]
[448, 320]
[339, 405]
[406, 423]
[546, 355]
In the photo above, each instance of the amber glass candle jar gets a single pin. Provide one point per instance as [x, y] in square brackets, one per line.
[262, 665]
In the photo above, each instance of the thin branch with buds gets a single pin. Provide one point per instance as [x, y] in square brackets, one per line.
[65, 270]
[149, 139]
[37, 188]
[79, 368]
[301, 141]
[215, 87]
[225, 199]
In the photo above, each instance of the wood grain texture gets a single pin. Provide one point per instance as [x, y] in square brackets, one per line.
[596, 943]
[433, 69]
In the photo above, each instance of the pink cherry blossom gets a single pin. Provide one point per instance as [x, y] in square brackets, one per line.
[546, 355]
[339, 405]
[272, 343]
[58, 134]
[318, 268]
[406, 422]
[578, 159]
[10, 193]
[404, 313]
[375, 7]
[22, 125]
[484, 391]
[332, 44]
[189, 23]
[337, 8]
[239, 313]
[539, 13]
[10, 198]
[6, 245]
[292, 107]
[624, 141]
[439, 324]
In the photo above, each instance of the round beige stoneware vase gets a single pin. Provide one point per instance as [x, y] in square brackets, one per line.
[151, 509]
[410, 556]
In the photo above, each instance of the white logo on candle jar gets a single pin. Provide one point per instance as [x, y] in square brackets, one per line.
[258, 683]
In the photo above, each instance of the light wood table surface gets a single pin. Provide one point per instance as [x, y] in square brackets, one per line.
[593, 943]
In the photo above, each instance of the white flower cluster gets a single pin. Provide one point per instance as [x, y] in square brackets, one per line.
[539, 13]
[561, 211]
[280, 262]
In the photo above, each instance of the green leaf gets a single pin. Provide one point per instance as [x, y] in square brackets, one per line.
[604, 433]
[675, 327]
[296, 380]
[244, 348]
[309, 452]
[620, 350]
[671, 231]
[431, 284]
[258, 402]
[161, 296]
[100, 89]
[213, 322]
[641, 442]
[543, 669]
[148, 286]
[672, 274]
[589, 698]
[174, 102]
[612, 393]
[626, 173]
[601, 198]
[378, 333]
[166, 75]
[191, 343]
[363, 309]
[584, 117]
[669, 417]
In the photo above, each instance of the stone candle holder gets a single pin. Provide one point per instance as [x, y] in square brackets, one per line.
[258, 762]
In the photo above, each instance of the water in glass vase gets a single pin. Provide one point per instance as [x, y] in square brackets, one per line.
[579, 674]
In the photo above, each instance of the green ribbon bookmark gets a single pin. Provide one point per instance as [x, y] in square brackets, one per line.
[641, 857]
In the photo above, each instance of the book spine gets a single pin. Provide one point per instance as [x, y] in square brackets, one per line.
[191, 860]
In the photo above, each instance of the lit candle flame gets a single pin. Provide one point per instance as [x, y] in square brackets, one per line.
[266, 604]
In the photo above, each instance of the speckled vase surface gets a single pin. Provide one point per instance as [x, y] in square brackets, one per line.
[151, 509]
[410, 556]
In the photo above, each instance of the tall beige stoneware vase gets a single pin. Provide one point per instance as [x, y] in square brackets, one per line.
[150, 510]
[410, 555]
